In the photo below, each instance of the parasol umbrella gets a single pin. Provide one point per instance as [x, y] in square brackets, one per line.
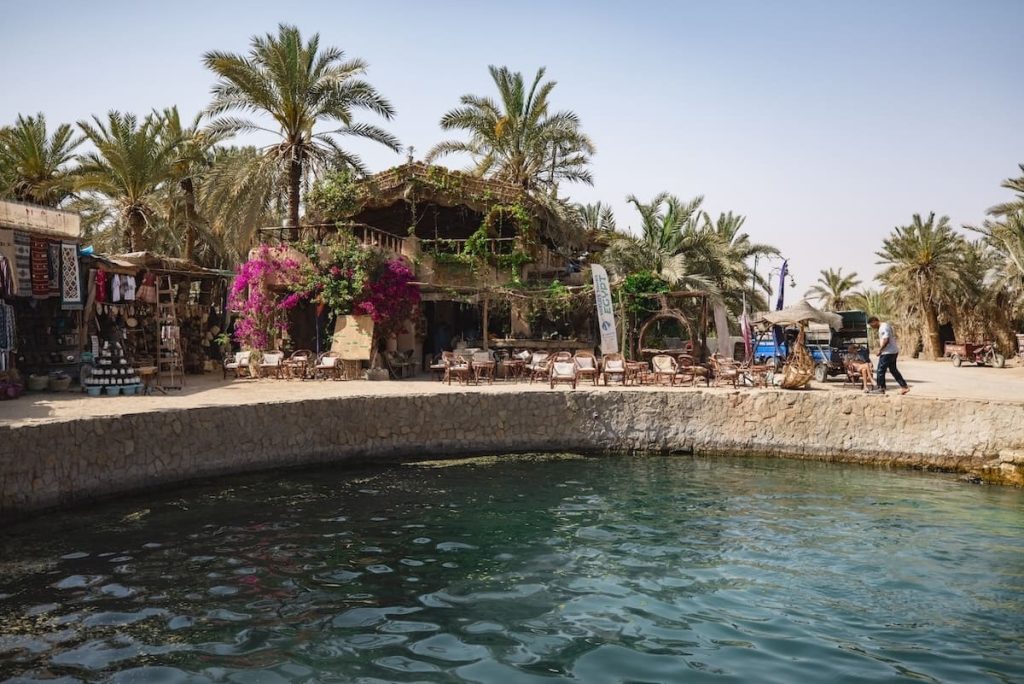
[799, 367]
[800, 313]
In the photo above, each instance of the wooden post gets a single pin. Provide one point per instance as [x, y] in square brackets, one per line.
[486, 319]
[622, 319]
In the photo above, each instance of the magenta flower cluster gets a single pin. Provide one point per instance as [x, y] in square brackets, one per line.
[261, 318]
[390, 298]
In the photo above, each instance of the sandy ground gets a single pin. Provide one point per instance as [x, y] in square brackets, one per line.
[927, 379]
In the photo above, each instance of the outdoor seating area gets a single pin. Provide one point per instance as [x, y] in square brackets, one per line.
[583, 366]
[302, 364]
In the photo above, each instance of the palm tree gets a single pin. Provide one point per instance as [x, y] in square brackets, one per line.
[596, 218]
[239, 194]
[130, 162]
[1015, 205]
[34, 166]
[193, 155]
[298, 86]
[923, 269]
[872, 302]
[726, 260]
[666, 241]
[833, 289]
[517, 140]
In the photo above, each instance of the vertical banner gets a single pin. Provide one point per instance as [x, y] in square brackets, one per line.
[605, 312]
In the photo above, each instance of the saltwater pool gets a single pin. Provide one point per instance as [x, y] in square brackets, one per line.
[526, 569]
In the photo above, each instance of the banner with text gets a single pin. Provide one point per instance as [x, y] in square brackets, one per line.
[605, 310]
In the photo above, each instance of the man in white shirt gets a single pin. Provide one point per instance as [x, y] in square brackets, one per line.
[887, 357]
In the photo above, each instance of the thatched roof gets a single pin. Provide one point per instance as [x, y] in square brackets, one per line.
[801, 312]
[419, 183]
[158, 263]
[429, 183]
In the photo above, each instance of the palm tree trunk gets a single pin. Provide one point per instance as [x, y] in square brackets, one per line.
[933, 341]
[136, 224]
[294, 192]
[191, 217]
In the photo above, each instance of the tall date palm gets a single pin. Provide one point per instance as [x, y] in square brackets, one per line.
[517, 139]
[127, 168]
[193, 155]
[924, 271]
[34, 163]
[833, 289]
[297, 85]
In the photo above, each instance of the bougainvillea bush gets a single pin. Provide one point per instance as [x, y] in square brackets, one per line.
[261, 318]
[348, 277]
[389, 297]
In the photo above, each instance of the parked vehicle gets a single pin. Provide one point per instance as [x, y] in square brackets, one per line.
[984, 354]
[825, 345]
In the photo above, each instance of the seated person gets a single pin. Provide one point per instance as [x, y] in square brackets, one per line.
[855, 364]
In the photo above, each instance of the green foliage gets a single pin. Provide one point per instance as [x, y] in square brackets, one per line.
[518, 139]
[297, 85]
[834, 291]
[333, 198]
[129, 163]
[337, 272]
[34, 162]
[629, 292]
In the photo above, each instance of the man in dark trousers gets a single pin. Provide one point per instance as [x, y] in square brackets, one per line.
[887, 357]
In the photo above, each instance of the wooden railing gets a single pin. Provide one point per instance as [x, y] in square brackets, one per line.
[368, 235]
[456, 246]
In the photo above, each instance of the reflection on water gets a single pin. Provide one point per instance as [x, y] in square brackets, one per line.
[526, 570]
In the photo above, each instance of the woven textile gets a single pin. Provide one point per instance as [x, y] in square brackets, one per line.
[53, 267]
[40, 268]
[8, 251]
[23, 263]
[7, 331]
[70, 277]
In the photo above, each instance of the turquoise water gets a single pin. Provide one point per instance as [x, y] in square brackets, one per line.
[527, 570]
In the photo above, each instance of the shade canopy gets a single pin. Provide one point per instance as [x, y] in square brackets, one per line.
[801, 312]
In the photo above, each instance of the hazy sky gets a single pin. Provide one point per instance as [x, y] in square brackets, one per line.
[825, 123]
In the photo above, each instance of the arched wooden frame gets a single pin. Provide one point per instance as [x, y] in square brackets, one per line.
[669, 314]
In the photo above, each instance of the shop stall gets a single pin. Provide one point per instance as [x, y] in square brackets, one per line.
[162, 312]
[41, 302]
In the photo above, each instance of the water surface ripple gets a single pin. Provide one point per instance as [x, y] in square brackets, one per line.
[526, 570]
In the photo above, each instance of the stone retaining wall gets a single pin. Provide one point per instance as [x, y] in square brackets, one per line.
[62, 463]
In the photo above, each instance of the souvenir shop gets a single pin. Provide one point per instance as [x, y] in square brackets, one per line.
[41, 311]
[155, 312]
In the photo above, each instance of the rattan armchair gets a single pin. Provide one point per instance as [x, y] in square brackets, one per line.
[586, 366]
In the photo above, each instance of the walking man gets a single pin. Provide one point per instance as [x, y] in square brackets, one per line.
[886, 357]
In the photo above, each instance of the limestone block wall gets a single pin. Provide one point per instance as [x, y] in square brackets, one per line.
[63, 463]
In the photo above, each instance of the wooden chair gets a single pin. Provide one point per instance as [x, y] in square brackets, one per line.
[561, 356]
[612, 365]
[298, 364]
[563, 372]
[459, 368]
[401, 364]
[664, 367]
[270, 364]
[239, 364]
[439, 368]
[586, 366]
[484, 366]
[724, 369]
[328, 366]
[539, 366]
[686, 370]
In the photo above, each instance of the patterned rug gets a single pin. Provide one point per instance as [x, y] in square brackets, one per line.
[53, 267]
[23, 262]
[70, 278]
[40, 268]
